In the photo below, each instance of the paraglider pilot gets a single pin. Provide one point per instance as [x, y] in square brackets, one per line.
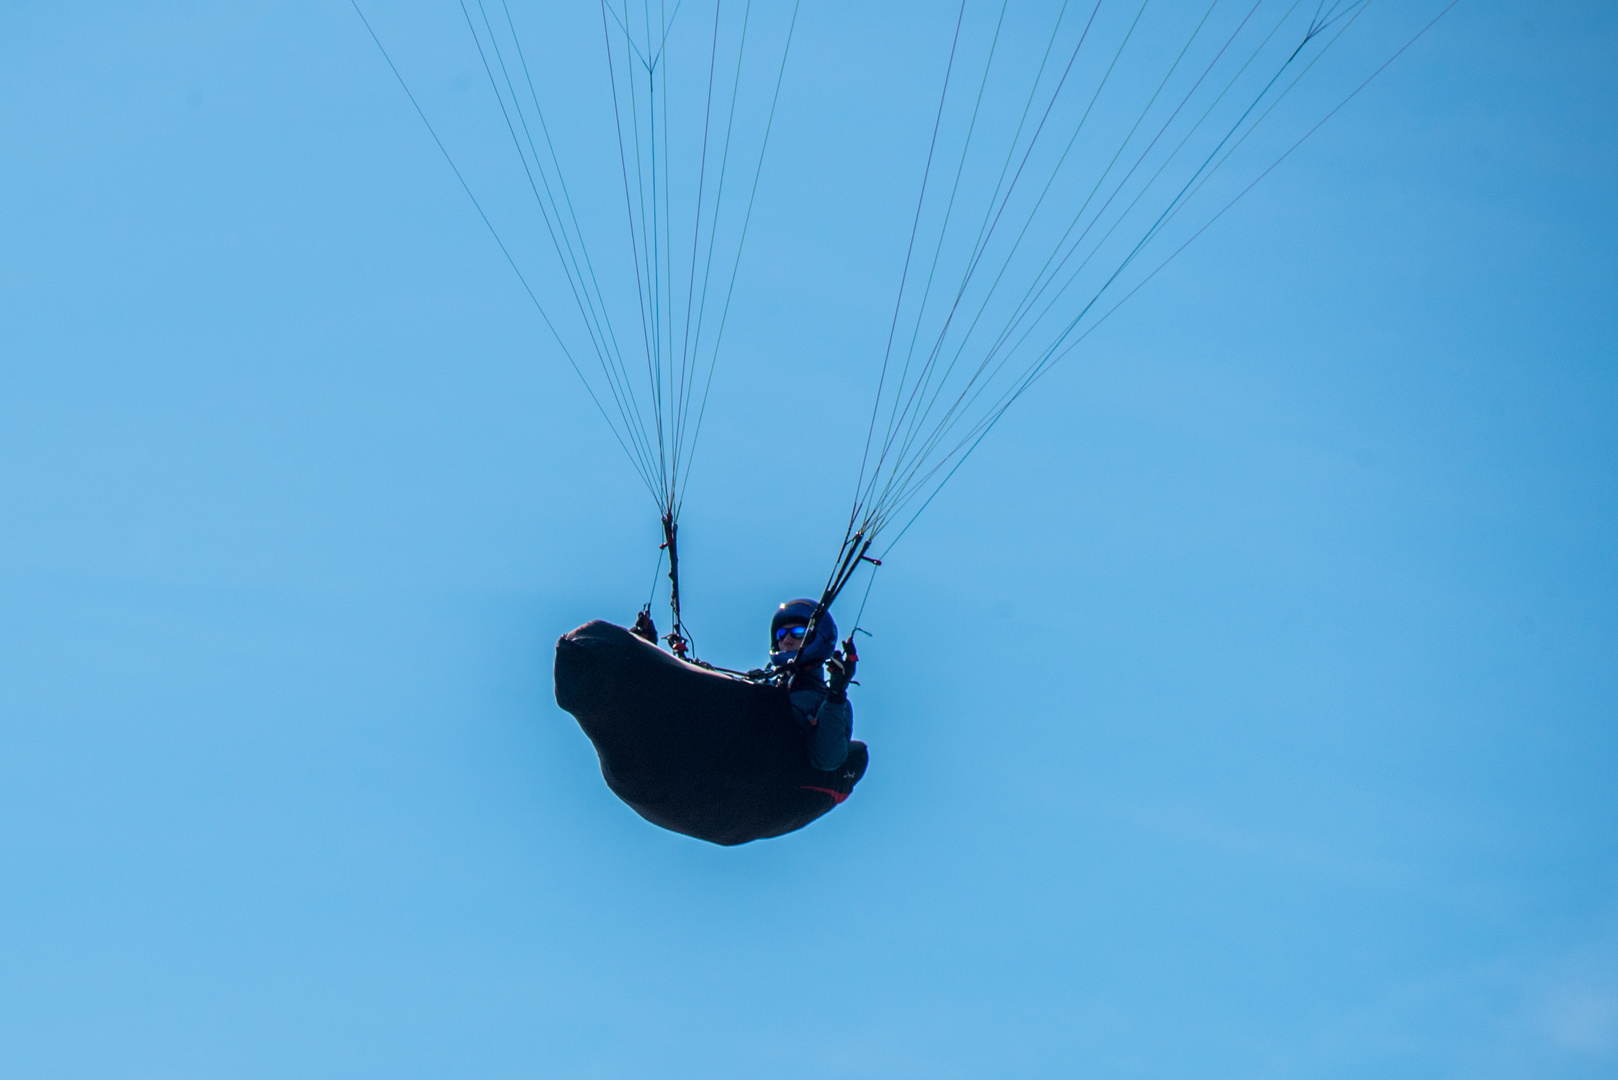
[819, 703]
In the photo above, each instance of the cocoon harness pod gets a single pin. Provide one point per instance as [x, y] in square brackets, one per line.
[715, 757]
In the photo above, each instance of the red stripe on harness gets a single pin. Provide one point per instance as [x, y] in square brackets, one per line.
[837, 796]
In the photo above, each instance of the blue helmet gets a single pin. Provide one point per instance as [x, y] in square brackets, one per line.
[818, 648]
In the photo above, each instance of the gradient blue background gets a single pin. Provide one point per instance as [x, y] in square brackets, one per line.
[1245, 709]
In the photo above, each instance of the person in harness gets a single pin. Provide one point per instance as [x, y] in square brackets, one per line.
[819, 703]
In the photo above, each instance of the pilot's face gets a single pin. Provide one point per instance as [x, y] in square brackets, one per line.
[789, 638]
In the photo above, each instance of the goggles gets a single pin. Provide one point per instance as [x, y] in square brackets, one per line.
[784, 632]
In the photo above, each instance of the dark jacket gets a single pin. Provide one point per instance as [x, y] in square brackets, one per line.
[829, 724]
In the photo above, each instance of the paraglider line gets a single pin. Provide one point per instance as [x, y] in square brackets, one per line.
[652, 595]
[635, 245]
[747, 218]
[584, 311]
[1052, 356]
[1256, 180]
[910, 482]
[612, 360]
[496, 235]
[904, 275]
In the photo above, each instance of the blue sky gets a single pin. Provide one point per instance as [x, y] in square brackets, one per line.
[1245, 708]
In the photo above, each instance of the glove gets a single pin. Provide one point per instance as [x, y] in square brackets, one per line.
[644, 628]
[840, 672]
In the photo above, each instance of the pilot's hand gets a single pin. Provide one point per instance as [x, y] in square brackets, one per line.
[840, 672]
